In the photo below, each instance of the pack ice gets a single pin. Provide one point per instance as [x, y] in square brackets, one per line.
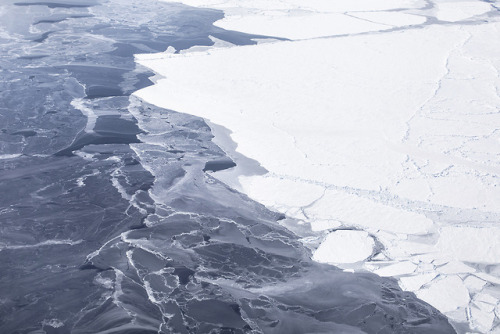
[377, 123]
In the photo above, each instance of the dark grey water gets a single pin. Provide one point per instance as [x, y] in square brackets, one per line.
[97, 237]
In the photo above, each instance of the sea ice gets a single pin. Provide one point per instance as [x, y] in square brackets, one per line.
[397, 269]
[387, 129]
[453, 11]
[305, 25]
[414, 283]
[446, 294]
[321, 225]
[472, 244]
[482, 319]
[345, 246]
[474, 284]
[455, 267]
[374, 216]
[392, 19]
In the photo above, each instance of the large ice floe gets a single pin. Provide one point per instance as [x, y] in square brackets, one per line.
[376, 125]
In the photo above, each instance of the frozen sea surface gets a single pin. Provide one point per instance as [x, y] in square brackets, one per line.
[380, 118]
[110, 218]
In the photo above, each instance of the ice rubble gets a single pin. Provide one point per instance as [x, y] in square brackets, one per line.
[364, 122]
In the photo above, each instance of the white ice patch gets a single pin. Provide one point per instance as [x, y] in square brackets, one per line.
[9, 156]
[54, 323]
[471, 244]
[105, 282]
[345, 246]
[80, 182]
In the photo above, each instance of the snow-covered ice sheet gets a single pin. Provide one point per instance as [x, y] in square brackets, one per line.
[383, 138]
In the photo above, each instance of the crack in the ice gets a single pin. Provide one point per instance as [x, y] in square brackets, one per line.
[436, 90]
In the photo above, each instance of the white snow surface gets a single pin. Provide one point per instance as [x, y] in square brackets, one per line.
[378, 123]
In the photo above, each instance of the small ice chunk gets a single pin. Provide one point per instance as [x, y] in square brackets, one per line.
[481, 319]
[425, 267]
[54, 323]
[171, 50]
[474, 284]
[483, 311]
[485, 301]
[460, 315]
[105, 282]
[447, 294]
[218, 43]
[345, 246]
[401, 268]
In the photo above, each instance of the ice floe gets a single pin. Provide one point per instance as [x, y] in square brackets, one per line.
[345, 246]
[446, 294]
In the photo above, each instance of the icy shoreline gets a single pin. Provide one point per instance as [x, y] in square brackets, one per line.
[369, 125]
